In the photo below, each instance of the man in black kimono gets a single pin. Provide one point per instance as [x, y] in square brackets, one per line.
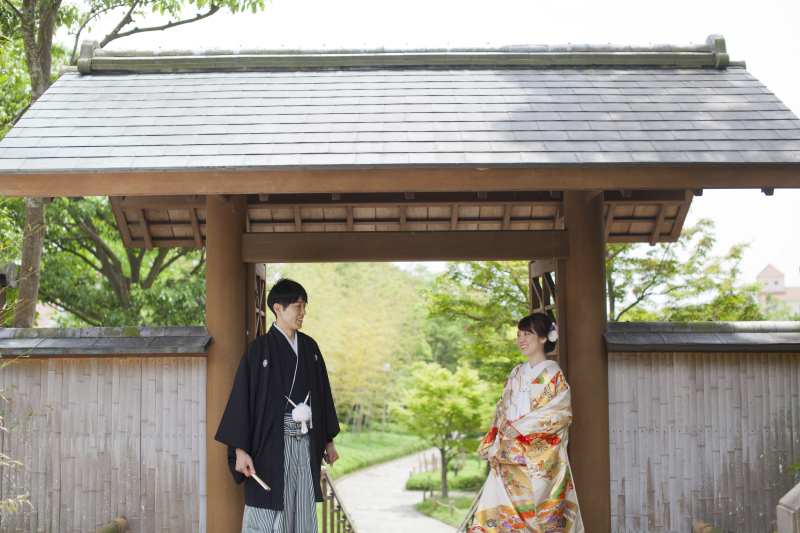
[267, 426]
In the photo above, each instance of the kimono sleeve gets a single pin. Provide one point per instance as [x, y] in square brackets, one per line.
[331, 420]
[235, 427]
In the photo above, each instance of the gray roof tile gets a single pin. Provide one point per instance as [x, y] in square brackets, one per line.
[386, 117]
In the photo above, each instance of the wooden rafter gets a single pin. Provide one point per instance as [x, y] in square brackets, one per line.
[609, 219]
[298, 221]
[662, 212]
[122, 222]
[198, 237]
[403, 217]
[145, 230]
[454, 218]
[683, 210]
[349, 218]
[507, 217]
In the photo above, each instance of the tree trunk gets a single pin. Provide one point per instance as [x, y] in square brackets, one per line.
[32, 242]
[444, 472]
[38, 44]
[612, 313]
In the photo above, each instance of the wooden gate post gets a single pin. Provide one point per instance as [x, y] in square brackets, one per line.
[226, 311]
[588, 366]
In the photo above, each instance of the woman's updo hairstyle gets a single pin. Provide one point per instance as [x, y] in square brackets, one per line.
[540, 324]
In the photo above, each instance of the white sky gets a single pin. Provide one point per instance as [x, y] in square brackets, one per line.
[763, 33]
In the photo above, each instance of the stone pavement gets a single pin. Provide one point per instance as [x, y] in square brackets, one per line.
[378, 502]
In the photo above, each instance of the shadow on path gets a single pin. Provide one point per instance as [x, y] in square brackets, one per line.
[378, 502]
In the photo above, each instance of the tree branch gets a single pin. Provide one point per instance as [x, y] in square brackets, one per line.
[183, 252]
[116, 34]
[77, 312]
[16, 11]
[196, 269]
[155, 268]
[127, 19]
[73, 59]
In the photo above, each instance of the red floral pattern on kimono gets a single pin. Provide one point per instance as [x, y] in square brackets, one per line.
[530, 488]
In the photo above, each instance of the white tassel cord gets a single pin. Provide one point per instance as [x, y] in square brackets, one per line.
[301, 413]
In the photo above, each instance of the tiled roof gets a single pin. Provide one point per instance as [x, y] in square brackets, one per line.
[760, 337]
[770, 272]
[33, 342]
[512, 107]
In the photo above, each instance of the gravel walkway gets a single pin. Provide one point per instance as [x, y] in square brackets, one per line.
[378, 502]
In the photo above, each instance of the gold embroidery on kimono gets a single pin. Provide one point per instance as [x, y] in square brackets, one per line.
[530, 487]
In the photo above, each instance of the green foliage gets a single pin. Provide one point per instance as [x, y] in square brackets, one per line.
[776, 309]
[368, 321]
[446, 409]
[14, 82]
[681, 281]
[441, 511]
[470, 478]
[487, 299]
[89, 274]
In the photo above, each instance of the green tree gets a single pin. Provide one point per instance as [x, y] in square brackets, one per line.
[88, 272]
[487, 299]
[368, 319]
[671, 281]
[776, 309]
[34, 23]
[679, 281]
[447, 409]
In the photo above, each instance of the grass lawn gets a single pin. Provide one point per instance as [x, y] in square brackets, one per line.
[357, 452]
[443, 513]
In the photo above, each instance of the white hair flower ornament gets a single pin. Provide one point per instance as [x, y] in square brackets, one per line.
[552, 335]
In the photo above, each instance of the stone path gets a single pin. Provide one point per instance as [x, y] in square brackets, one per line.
[378, 502]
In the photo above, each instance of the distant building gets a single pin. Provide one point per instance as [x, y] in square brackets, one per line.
[773, 284]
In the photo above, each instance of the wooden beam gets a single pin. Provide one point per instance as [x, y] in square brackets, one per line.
[662, 212]
[507, 217]
[298, 222]
[588, 361]
[165, 243]
[399, 180]
[437, 198]
[198, 237]
[683, 210]
[454, 218]
[226, 320]
[349, 218]
[588, 195]
[122, 222]
[539, 268]
[609, 219]
[408, 246]
[162, 202]
[145, 231]
[403, 217]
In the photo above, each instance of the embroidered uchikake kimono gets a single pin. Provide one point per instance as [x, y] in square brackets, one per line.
[530, 487]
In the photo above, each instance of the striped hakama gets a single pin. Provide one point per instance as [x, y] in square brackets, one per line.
[299, 513]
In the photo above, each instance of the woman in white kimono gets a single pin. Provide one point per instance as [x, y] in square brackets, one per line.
[530, 487]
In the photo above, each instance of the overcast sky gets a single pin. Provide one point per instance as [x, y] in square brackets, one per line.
[762, 33]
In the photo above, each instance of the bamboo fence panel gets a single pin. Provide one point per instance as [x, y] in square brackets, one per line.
[701, 436]
[106, 437]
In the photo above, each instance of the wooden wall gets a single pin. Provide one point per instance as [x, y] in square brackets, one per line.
[108, 437]
[701, 437]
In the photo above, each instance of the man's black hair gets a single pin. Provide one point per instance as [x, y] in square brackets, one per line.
[285, 292]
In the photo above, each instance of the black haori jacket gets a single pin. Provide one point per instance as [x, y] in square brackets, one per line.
[253, 418]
